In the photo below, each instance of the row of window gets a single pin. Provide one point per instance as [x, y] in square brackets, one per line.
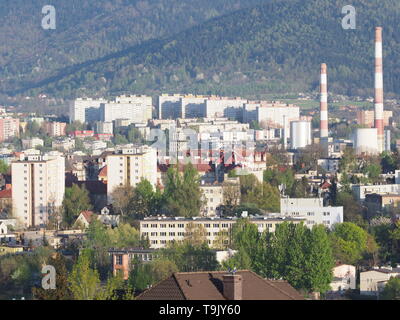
[182, 234]
[182, 225]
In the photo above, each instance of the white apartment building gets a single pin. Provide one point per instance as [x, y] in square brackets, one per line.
[38, 187]
[104, 127]
[219, 107]
[145, 102]
[162, 230]
[361, 191]
[85, 110]
[313, 210]
[137, 112]
[130, 165]
[271, 114]
[373, 281]
[213, 196]
[199, 106]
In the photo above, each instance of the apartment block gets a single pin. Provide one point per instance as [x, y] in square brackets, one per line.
[9, 128]
[367, 117]
[130, 165]
[313, 210]
[55, 129]
[38, 187]
[104, 127]
[270, 114]
[162, 230]
[85, 110]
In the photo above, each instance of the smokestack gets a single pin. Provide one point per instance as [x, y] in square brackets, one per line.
[233, 288]
[324, 102]
[379, 87]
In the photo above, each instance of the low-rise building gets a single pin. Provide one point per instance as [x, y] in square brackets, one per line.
[163, 230]
[344, 278]
[312, 210]
[32, 143]
[372, 282]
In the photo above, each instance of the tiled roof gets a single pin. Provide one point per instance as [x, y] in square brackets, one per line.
[87, 215]
[103, 172]
[209, 286]
[6, 194]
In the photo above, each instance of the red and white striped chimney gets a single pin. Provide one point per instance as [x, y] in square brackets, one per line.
[379, 87]
[324, 102]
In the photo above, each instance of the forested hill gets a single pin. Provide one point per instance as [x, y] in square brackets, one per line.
[274, 47]
[90, 29]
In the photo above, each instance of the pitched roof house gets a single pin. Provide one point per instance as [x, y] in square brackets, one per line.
[219, 285]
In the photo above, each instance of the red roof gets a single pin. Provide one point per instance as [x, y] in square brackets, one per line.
[6, 194]
[103, 172]
[87, 215]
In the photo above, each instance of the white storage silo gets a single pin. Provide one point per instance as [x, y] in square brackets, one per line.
[300, 133]
[366, 141]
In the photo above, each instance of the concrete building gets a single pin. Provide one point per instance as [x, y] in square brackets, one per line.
[130, 165]
[367, 117]
[270, 114]
[123, 259]
[162, 230]
[32, 143]
[104, 127]
[85, 110]
[63, 144]
[9, 128]
[38, 187]
[55, 129]
[135, 111]
[312, 210]
[344, 278]
[220, 107]
[372, 282]
[360, 192]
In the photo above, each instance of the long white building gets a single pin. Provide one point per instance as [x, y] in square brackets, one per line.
[137, 108]
[129, 166]
[38, 187]
[162, 230]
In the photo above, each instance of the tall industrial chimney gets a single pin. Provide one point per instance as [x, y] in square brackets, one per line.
[324, 102]
[379, 88]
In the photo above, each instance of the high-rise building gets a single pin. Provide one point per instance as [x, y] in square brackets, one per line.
[85, 110]
[9, 127]
[130, 165]
[38, 186]
[55, 129]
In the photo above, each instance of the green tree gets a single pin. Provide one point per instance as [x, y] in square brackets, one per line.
[4, 168]
[142, 201]
[391, 290]
[84, 281]
[182, 192]
[76, 200]
[122, 199]
[319, 262]
[349, 242]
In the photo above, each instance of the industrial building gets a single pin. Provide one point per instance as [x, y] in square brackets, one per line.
[300, 134]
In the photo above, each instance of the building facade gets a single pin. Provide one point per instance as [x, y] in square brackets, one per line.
[38, 187]
[313, 210]
[130, 165]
